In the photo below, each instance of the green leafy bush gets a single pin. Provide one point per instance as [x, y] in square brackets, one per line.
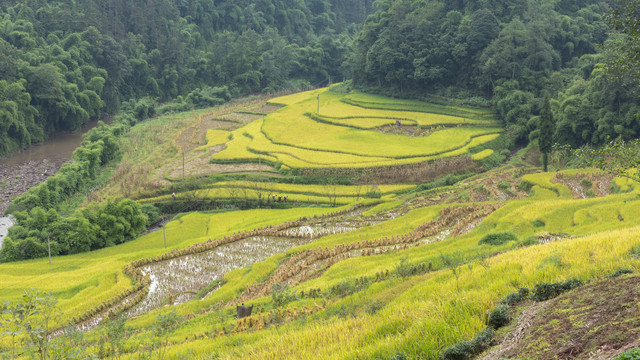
[629, 355]
[499, 317]
[586, 183]
[468, 349]
[504, 185]
[531, 240]
[619, 272]
[546, 291]
[524, 186]
[498, 238]
[515, 297]
[538, 223]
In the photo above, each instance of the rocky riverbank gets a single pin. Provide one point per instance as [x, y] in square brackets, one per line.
[16, 179]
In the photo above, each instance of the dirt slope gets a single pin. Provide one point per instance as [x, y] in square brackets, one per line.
[597, 321]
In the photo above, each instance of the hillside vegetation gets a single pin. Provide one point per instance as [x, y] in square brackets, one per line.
[405, 213]
[63, 63]
[398, 270]
[509, 54]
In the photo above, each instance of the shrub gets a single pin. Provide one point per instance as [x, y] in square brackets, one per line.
[498, 238]
[635, 252]
[524, 186]
[619, 272]
[30, 249]
[374, 306]
[483, 340]
[467, 349]
[629, 355]
[152, 212]
[342, 289]
[8, 252]
[586, 183]
[614, 188]
[531, 240]
[460, 351]
[515, 297]
[281, 295]
[546, 291]
[537, 223]
[399, 356]
[499, 317]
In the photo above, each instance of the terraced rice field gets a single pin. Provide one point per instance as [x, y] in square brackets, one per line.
[393, 271]
[346, 132]
[275, 192]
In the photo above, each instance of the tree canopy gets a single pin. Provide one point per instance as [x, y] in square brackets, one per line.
[63, 63]
[511, 53]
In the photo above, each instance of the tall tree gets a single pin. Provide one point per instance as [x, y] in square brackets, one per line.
[545, 141]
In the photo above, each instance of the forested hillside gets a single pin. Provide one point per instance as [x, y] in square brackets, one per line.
[63, 63]
[511, 52]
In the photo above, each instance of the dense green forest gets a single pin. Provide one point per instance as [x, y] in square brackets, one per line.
[65, 62]
[510, 52]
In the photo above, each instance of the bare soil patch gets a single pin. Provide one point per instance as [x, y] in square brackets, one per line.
[596, 321]
[584, 185]
[406, 130]
[199, 165]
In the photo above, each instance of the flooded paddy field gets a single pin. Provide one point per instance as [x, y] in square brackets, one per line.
[181, 279]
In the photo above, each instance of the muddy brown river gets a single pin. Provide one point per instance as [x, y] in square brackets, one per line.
[29, 167]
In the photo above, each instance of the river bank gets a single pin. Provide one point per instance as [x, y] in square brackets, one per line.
[18, 178]
[31, 166]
